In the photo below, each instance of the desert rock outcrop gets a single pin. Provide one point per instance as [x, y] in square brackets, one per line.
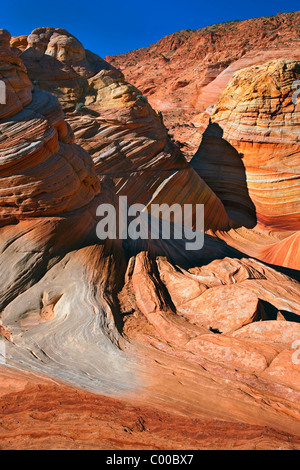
[158, 332]
[184, 73]
[249, 156]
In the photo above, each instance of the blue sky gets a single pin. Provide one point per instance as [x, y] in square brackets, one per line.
[114, 27]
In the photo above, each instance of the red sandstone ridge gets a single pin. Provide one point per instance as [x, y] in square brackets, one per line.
[185, 72]
[111, 344]
[123, 134]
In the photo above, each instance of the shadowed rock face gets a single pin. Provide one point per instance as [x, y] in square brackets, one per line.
[207, 334]
[184, 73]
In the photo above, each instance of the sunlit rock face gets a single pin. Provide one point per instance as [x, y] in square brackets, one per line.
[258, 117]
[250, 155]
[56, 61]
[42, 171]
[160, 331]
[49, 192]
[184, 73]
[114, 122]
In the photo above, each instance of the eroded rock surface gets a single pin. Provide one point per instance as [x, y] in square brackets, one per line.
[249, 156]
[149, 328]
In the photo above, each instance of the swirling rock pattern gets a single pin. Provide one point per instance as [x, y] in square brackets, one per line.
[42, 171]
[58, 62]
[251, 148]
[158, 334]
[116, 125]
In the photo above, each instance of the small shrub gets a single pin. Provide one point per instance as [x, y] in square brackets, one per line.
[79, 106]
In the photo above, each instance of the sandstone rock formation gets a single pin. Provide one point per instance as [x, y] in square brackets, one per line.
[249, 157]
[184, 73]
[151, 331]
[116, 125]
